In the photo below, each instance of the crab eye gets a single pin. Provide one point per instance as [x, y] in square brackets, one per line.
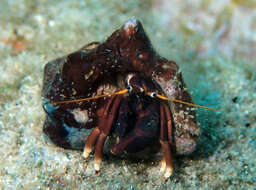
[129, 88]
[153, 94]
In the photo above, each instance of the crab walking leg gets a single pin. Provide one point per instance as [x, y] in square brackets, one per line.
[90, 141]
[105, 126]
[163, 164]
[98, 152]
[164, 133]
[169, 122]
[168, 159]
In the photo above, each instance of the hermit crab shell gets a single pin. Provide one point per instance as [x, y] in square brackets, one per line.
[98, 68]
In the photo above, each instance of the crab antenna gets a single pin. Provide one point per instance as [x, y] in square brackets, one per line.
[92, 98]
[186, 103]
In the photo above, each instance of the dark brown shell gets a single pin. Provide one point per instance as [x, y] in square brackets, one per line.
[97, 68]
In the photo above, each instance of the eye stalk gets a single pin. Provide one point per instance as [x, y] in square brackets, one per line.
[153, 94]
[129, 88]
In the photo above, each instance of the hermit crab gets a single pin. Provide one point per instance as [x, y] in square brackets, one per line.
[123, 87]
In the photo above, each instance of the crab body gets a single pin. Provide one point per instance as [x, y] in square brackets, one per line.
[125, 59]
[137, 123]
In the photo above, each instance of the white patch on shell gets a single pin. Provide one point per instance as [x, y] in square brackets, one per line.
[86, 76]
[181, 114]
[73, 91]
[81, 116]
[169, 87]
[92, 46]
[105, 89]
[131, 23]
[141, 56]
[166, 66]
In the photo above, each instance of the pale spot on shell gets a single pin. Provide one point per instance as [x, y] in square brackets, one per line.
[81, 116]
[130, 26]
[166, 66]
[86, 76]
[73, 91]
[141, 56]
[91, 46]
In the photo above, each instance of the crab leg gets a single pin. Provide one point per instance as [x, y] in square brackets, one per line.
[105, 129]
[89, 143]
[162, 133]
[98, 151]
[165, 131]
[101, 131]
[167, 158]
[169, 122]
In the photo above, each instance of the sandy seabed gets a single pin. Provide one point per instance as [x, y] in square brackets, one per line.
[214, 43]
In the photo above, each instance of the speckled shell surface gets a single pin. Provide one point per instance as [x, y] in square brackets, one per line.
[97, 68]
